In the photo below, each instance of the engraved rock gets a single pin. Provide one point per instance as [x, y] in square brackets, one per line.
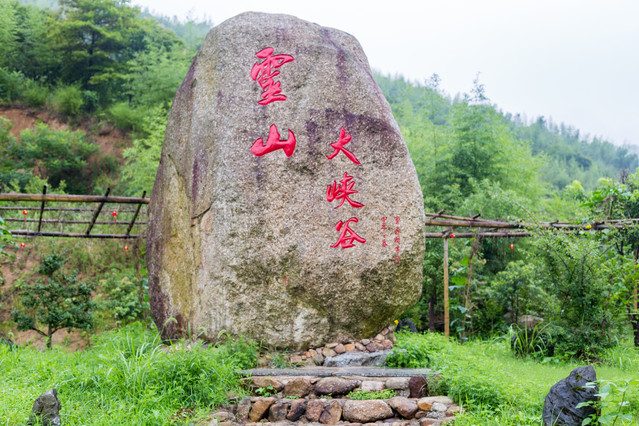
[252, 234]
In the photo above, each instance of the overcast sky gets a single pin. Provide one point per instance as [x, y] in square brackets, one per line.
[576, 61]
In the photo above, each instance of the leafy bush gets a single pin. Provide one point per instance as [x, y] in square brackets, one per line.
[529, 342]
[68, 100]
[581, 278]
[62, 155]
[125, 117]
[124, 295]
[35, 95]
[412, 351]
[11, 85]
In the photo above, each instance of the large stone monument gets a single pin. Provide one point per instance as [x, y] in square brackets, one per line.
[286, 207]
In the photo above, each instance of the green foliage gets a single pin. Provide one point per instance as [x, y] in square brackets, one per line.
[266, 391]
[11, 85]
[59, 155]
[528, 342]
[242, 352]
[411, 351]
[617, 396]
[578, 275]
[68, 100]
[143, 157]
[365, 395]
[126, 117]
[124, 295]
[35, 94]
[57, 301]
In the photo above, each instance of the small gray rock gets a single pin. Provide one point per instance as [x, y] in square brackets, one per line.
[46, 408]
[350, 359]
[335, 386]
[561, 403]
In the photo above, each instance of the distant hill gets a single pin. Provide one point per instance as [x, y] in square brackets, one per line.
[565, 153]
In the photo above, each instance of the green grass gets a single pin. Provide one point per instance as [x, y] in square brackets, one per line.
[501, 389]
[125, 379]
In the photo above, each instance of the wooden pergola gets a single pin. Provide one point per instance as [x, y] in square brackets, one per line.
[482, 228]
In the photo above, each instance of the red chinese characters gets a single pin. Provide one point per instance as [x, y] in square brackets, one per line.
[347, 237]
[342, 192]
[273, 143]
[338, 146]
[264, 72]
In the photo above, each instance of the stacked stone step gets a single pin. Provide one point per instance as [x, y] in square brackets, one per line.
[334, 354]
[321, 400]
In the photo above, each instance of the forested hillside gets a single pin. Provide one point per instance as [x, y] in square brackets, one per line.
[103, 61]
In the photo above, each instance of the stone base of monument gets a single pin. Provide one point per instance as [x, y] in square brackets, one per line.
[365, 352]
[320, 395]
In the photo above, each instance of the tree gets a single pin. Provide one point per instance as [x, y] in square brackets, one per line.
[97, 38]
[618, 200]
[58, 301]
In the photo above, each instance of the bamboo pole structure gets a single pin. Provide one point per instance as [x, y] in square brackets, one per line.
[68, 209]
[97, 211]
[44, 193]
[74, 198]
[77, 222]
[135, 216]
[25, 233]
[446, 303]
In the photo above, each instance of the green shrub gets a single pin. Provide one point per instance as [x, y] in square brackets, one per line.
[68, 100]
[124, 295]
[413, 350]
[11, 86]
[35, 95]
[125, 117]
[529, 342]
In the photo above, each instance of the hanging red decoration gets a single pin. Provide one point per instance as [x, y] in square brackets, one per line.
[452, 235]
[126, 248]
[512, 249]
[115, 217]
[22, 248]
[24, 215]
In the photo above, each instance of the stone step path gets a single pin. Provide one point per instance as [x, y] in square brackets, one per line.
[317, 395]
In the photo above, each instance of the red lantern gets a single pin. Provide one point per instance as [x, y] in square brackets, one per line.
[22, 245]
[512, 249]
[115, 217]
[452, 235]
[126, 248]
[25, 213]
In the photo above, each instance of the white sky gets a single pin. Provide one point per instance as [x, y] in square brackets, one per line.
[576, 61]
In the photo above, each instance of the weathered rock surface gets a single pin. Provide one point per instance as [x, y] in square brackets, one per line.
[331, 414]
[300, 387]
[297, 410]
[357, 358]
[260, 408]
[561, 401]
[418, 386]
[404, 406]
[247, 243]
[366, 411]
[314, 409]
[335, 386]
[46, 409]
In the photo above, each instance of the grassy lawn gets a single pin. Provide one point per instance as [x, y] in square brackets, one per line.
[128, 378]
[500, 389]
[125, 379]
